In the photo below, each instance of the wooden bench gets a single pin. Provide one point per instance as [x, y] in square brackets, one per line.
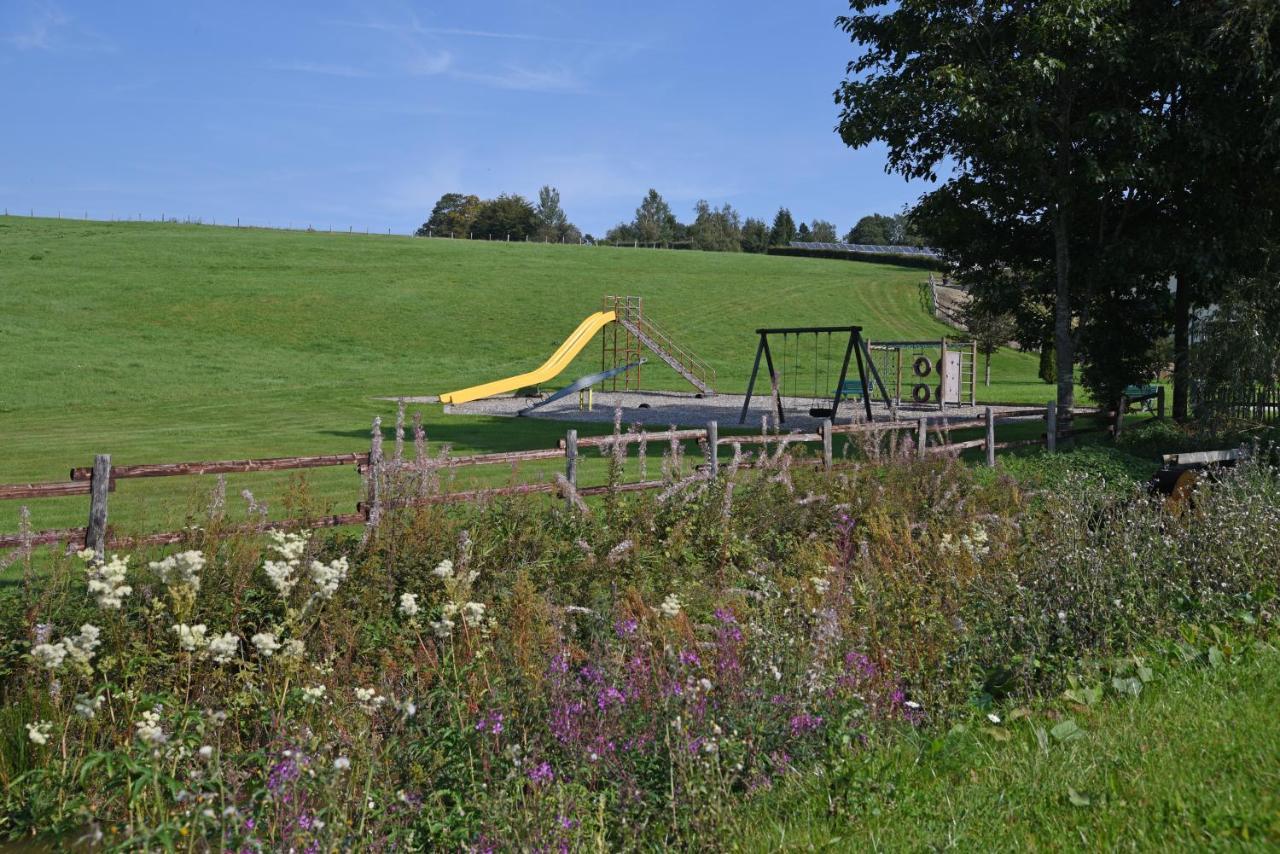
[1144, 395]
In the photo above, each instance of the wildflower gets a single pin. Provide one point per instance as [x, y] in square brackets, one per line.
[224, 647]
[912, 704]
[293, 649]
[86, 707]
[86, 554]
[266, 643]
[805, 723]
[369, 699]
[205, 751]
[80, 648]
[473, 614]
[444, 569]
[671, 605]
[50, 655]
[327, 576]
[342, 763]
[181, 570]
[280, 574]
[623, 628]
[442, 628]
[289, 546]
[190, 638]
[993, 717]
[313, 693]
[106, 581]
[704, 684]
[541, 773]
[148, 730]
[39, 731]
[409, 605]
[409, 708]
[820, 584]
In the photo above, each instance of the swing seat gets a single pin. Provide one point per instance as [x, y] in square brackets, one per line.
[821, 412]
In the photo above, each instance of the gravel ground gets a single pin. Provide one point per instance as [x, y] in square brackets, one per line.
[663, 408]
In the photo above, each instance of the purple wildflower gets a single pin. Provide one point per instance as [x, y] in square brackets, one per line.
[541, 773]
[804, 723]
[625, 628]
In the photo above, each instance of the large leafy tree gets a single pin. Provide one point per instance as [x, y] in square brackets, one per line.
[755, 236]
[716, 230]
[821, 231]
[1019, 96]
[508, 217]
[553, 224]
[654, 222]
[453, 214]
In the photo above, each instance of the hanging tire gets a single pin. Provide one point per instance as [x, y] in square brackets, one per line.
[920, 393]
[921, 366]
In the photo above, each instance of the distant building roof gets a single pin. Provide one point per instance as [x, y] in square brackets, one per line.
[867, 247]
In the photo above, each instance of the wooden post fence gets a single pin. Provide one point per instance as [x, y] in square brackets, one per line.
[100, 486]
[571, 457]
[991, 437]
[713, 448]
[922, 438]
[826, 442]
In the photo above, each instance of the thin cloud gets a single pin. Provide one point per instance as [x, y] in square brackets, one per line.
[416, 28]
[525, 79]
[321, 68]
[48, 28]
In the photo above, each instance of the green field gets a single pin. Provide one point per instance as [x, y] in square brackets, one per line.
[165, 342]
[1192, 763]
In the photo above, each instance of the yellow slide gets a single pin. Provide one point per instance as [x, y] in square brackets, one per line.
[559, 360]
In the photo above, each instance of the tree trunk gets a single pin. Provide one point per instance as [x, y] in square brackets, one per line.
[988, 369]
[1181, 346]
[1064, 344]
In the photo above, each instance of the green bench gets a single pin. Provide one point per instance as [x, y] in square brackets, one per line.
[850, 388]
[1144, 395]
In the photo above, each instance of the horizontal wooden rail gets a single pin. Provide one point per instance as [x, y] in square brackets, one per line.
[45, 490]
[43, 538]
[225, 466]
[480, 459]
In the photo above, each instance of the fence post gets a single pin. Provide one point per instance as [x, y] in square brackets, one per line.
[1160, 402]
[713, 448]
[922, 437]
[375, 476]
[826, 442]
[991, 437]
[1051, 426]
[100, 486]
[571, 457]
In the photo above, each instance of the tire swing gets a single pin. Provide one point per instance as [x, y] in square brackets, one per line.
[920, 393]
[922, 368]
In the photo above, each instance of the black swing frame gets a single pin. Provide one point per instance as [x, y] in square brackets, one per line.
[856, 346]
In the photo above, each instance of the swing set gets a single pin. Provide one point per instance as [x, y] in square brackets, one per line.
[826, 399]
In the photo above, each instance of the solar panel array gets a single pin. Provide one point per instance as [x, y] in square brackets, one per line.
[864, 247]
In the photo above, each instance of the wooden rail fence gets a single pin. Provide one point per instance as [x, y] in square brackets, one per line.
[100, 479]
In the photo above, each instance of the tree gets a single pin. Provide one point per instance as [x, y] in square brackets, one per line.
[755, 236]
[654, 222]
[802, 233]
[990, 331]
[506, 217]
[871, 230]
[1023, 97]
[822, 231]
[552, 222]
[716, 230]
[784, 229]
[453, 214]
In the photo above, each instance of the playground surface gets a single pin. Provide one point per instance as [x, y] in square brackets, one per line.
[687, 409]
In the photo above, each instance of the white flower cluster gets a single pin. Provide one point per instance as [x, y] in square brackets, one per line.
[821, 584]
[444, 569]
[39, 731]
[181, 570]
[975, 543]
[283, 573]
[224, 647]
[79, 649]
[87, 707]
[671, 606]
[327, 576]
[148, 730]
[458, 586]
[369, 699]
[266, 643]
[191, 638]
[106, 580]
[314, 693]
[409, 605]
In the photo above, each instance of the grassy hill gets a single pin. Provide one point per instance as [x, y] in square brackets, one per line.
[159, 342]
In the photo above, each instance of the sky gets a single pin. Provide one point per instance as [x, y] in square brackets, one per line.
[362, 114]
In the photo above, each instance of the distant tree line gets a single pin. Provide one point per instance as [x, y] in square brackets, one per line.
[722, 229]
[508, 217]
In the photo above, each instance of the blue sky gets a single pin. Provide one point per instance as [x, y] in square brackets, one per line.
[363, 113]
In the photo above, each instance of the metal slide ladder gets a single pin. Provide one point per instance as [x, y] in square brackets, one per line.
[630, 317]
